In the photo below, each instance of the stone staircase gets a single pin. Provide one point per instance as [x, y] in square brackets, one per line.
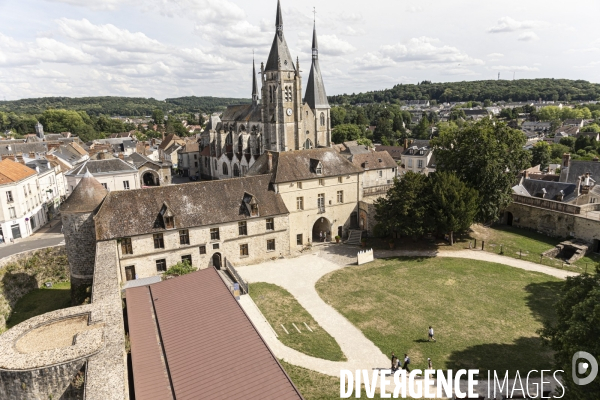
[354, 238]
[226, 277]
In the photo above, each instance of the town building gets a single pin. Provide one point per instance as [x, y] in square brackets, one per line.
[112, 173]
[21, 201]
[281, 121]
[188, 159]
[418, 157]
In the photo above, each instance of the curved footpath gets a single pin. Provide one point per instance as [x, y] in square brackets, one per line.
[300, 275]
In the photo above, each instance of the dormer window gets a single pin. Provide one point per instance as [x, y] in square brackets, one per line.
[316, 166]
[250, 205]
[167, 217]
[169, 224]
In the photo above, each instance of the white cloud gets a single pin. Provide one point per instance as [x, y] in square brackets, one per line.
[522, 68]
[329, 45]
[371, 61]
[528, 37]
[495, 56]
[507, 24]
[100, 5]
[414, 9]
[425, 49]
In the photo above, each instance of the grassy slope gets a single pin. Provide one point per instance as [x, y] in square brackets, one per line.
[280, 307]
[40, 301]
[485, 315]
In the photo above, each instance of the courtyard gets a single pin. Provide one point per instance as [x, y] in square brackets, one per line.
[485, 314]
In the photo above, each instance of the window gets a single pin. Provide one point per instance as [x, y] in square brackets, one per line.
[242, 228]
[322, 182]
[161, 265]
[159, 241]
[243, 249]
[25, 191]
[340, 179]
[126, 247]
[319, 169]
[299, 185]
[340, 196]
[299, 203]
[9, 197]
[29, 188]
[187, 258]
[169, 224]
[410, 162]
[216, 246]
[270, 224]
[195, 156]
[126, 185]
[12, 212]
[196, 164]
[225, 169]
[214, 233]
[105, 186]
[202, 249]
[271, 245]
[321, 202]
[322, 119]
[380, 173]
[184, 236]
[299, 241]
[130, 272]
[420, 164]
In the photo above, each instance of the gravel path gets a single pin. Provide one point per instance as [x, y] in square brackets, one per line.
[299, 276]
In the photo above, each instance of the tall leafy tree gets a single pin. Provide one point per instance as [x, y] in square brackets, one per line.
[158, 116]
[404, 210]
[577, 328]
[487, 156]
[453, 204]
[541, 154]
[345, 132]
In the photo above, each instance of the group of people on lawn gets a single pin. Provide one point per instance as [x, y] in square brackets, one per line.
[397, 364]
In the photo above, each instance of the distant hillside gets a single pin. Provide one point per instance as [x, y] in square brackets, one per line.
[126, 106]
[495, 90]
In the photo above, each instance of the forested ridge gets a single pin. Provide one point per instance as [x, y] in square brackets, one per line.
[494, 90]
[123, 106]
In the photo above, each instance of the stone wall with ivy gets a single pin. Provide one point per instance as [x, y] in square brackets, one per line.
[21, 273]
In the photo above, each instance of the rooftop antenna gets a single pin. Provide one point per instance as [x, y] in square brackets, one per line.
[498, 75]
[314, 14]
[514, 72]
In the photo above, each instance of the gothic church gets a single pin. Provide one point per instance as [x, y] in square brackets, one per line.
[280, 121]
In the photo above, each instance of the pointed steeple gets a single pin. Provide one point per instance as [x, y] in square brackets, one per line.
[254, 85]
[315, 95]
[280, 58]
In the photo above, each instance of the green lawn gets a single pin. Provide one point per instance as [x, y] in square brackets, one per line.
[280, 307]
[485, 315]
[40, 301]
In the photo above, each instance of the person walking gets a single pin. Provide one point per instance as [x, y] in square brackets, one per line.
[394, 362]
[429, 363]
[1, 239]
[430, 334]
[320, 236]
[406, 363]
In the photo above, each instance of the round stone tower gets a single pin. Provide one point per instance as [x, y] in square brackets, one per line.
[80, 232]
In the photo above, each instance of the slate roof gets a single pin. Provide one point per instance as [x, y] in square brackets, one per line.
[242, 113]
[579, 168]
[534, 187]
[11, 171]
[394, 151]
[221, 340]
[298, 165]
[86, 197]
[138, 160]
[42, 165]
[190, 147]
[374, 160]
[135, 212]
[102, 167]
[14, 148]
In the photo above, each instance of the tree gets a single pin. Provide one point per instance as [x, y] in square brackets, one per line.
[345, 132]
[541, 155]
[383, 129]
[577, 328]
[404, 210]
[487, 156]
[158, 116]
[181, 268]
[453, 204]
[338, 115]
[557, 151]
[591, 128]
[569, 141]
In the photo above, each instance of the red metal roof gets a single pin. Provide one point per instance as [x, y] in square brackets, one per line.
[211, 349]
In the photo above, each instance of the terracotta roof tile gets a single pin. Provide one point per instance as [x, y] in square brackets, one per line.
[11, 171]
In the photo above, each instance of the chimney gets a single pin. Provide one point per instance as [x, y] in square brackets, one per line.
[560, 196]
[366, 165]
[405, 143]
[121, 156]
[525, 174]
[566, 160]
[270, 162]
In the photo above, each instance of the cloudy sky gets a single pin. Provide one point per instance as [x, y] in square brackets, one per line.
[172, 48]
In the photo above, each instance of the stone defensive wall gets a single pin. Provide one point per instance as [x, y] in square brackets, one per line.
[51, 355]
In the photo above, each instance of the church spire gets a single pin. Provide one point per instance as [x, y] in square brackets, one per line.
[315, 95]
[254, 85]
[280, 58]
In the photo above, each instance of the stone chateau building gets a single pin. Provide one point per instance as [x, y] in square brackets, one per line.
[278, 119]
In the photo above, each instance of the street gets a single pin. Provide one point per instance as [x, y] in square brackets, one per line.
[45, 237]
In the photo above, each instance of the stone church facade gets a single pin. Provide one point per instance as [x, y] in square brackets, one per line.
[279, 118]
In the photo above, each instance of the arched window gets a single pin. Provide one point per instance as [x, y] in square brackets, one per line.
[236, 170]
[258, 145]
[308, 144]
[216, 165]
[322, 119]
[229, 139]
[225, 169]
[240, 144]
